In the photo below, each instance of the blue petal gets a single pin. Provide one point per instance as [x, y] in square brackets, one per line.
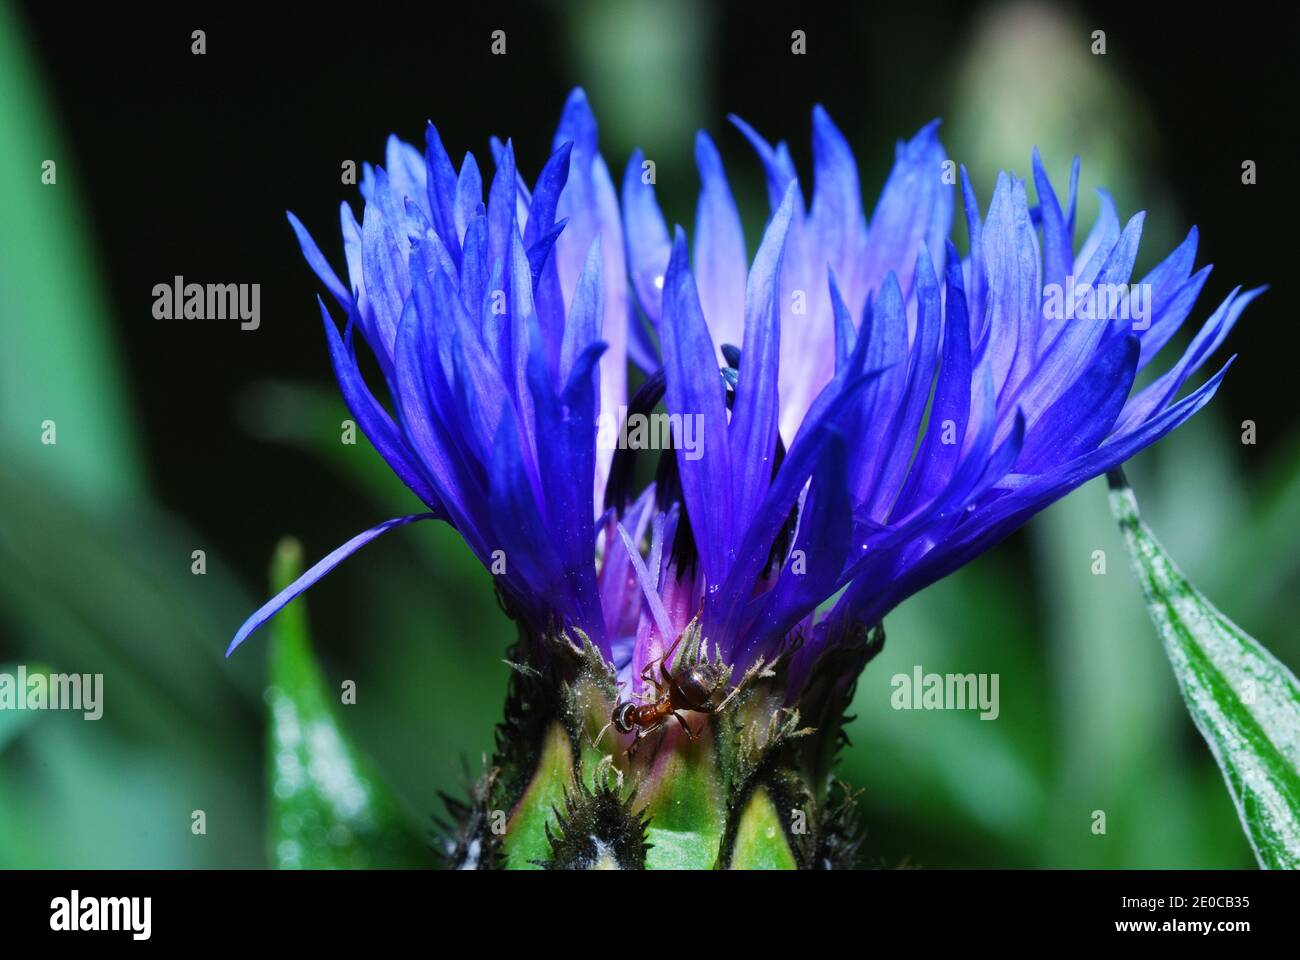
[776, 164]
[443, 190]
[648, 586]
[501, 210]
[373, 420]
[385, 270]
[319, 265]
[480, 387]
[900, 440]
[976, 278]
[915, 207]
[474, 263]
[988, 526]
[846, 335]
[884, 332]
[590, 203]
[523, 320]
[567, 466]
[648, 246]
[523, 199]
[406, 173]
[533, 568]
[950, 411]
[1011, 256]
[795, 471]
[836, 222]
[1099, 242]
[822, 545]
[421, 390]
[583, 327]
[1072, 352]
[1168, 317]
[1168, 282]
[1058, 231]
[469, 194]
[695, 390]
[755, 414]
[1083, 415]
[546, 195]
[1210, 337]
[318, 570]
[720, 252]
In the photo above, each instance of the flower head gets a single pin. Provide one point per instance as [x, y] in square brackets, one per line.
[970, 394]
[870, 410]
[500, 330]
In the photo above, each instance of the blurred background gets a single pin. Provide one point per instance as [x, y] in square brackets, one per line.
[175, 436]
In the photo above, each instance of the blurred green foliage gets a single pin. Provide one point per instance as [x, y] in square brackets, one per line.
[328, 809]
[95, 576]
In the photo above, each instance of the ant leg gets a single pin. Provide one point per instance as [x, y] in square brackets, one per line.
[667, 658]
[648, 670]
[636, 741]
[685, 726]
[642, 734]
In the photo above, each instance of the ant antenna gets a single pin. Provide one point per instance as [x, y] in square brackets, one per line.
[600, 736]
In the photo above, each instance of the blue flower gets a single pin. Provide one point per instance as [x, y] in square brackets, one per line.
[1025, 354]
[501, 334]
[870, 410]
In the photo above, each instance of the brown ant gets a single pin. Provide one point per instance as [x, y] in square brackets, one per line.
[692, 690]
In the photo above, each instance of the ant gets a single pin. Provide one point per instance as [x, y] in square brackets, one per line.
[692, 690]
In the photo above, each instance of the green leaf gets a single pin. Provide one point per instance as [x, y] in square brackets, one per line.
[525, 843]
[760, 839]
[59, 365]
[327, 809]
[1244, 701]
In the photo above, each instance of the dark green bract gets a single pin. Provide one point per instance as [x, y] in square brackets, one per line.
[755, 790]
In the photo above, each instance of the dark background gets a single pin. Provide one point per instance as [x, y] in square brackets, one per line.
[186, 164]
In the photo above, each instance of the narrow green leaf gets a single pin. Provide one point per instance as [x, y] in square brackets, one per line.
[1243, 700]
[61, 384]
[327, 809]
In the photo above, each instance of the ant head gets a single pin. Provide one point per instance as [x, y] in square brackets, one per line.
[622, 717]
